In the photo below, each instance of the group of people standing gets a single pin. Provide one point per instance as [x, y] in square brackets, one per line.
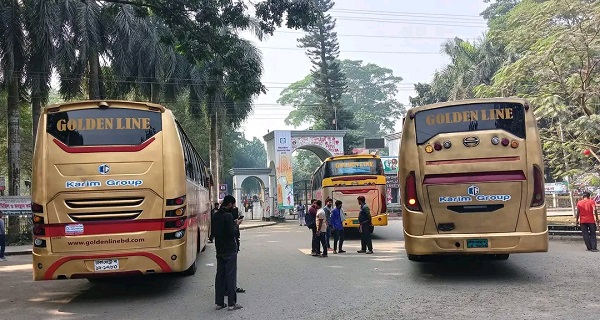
[323, 221]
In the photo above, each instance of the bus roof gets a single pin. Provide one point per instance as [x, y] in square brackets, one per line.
[107, 103]
[353, 156]
[467, 101]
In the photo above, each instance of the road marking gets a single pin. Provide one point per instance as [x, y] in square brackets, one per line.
[17, 267]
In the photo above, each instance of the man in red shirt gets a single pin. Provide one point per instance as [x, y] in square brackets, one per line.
[586, 210]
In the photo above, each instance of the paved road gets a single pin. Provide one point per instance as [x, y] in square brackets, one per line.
[284, 282]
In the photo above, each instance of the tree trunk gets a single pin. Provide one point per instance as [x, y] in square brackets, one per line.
[94, 80]
[36, 110]
[214, 153]
[14, 149]
[154, 93]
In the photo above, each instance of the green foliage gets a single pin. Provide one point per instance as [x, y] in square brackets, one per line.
[304, 163]
[328, 81]
[557, 67]
[370, 96]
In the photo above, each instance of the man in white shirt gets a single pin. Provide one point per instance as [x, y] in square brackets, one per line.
[322, 230]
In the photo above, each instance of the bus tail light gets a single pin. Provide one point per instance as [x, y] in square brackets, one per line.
[383, 204]
[175, 213]
[36, 208]
[39, 231]
[174, 235]
[538, 187]
[410, 195]
[437, 146]
[176, 201]
[175, 223]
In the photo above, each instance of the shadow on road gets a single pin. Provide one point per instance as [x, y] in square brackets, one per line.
[461, 269]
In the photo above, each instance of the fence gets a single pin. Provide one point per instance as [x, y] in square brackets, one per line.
[23, 235]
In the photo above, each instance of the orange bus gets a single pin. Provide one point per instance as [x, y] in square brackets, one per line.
[118, 189]
[472, 176]
[345, 178]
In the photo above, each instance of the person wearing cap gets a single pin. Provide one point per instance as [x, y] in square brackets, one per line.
[364, 220]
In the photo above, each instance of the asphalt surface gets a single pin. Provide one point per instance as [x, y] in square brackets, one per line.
[284, 282]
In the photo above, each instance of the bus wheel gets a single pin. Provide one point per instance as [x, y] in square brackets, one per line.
[198, 243]
[501, 257]
[413, 257]
[191, 270]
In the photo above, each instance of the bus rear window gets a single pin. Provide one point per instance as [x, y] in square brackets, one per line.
[509, 117]
[354, 167]
[97, 127]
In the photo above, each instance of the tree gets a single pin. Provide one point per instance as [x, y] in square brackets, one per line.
[557, 45]
[329, 82]
[370, 96]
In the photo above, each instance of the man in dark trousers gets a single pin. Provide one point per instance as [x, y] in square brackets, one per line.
[236, 216]
[586, 211]
[364, 219]
[225, 229]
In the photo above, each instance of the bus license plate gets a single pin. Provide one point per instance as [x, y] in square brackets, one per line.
[477, 243]
[106, 265]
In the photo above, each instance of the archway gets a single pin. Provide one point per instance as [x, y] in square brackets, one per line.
[263, 176]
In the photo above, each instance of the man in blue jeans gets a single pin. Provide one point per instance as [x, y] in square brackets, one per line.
[2, 238]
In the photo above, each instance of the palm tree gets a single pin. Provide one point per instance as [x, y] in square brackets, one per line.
[13, 57]
[41, 26]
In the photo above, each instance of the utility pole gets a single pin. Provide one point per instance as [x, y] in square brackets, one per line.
[335, 117]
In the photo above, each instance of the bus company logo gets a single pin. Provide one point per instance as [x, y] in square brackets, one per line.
[471, 141]
[103, 169]
[474, 193]
[82, 184]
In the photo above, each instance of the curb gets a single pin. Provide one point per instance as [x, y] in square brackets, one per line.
[268, 224]
[18, 253]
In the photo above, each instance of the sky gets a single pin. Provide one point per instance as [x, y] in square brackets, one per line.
[405, 36]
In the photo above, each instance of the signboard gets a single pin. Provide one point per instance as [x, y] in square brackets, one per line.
[2, 184]
[556, 188]
[283, 169]
[222, 195]
[223, 188]
[390, 165]
[15, 205]
[392, 181]
[378, 143]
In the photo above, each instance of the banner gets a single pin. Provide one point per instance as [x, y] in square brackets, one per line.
[556, 188]
[283, 169]
[390, 165]
[14, 205]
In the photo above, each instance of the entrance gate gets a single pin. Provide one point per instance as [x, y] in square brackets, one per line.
[277, 178]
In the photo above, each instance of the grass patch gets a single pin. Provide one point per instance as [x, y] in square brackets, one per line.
[562, 220]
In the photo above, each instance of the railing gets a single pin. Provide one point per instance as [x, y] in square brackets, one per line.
[23, 235]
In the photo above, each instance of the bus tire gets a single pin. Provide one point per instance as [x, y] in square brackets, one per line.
[501, 256]
[198, 243]
[413, 257]
[191, 270]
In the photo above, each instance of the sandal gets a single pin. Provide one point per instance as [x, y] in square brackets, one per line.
[240, 290]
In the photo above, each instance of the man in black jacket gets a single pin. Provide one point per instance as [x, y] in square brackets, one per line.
[364, 219]
[225, 230]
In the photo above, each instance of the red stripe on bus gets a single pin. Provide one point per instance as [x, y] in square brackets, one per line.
[111, 227]
[92, 149]
[160, 262]
[352, 178]
[476, 160]
[354, 191]
[474, 177]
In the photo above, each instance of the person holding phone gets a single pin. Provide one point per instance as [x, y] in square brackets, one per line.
[235, 213]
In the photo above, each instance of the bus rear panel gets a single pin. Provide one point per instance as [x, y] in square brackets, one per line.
[472, 179]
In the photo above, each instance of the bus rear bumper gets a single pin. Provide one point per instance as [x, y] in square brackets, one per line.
[380, 220]
[82, 265]
[460, 244]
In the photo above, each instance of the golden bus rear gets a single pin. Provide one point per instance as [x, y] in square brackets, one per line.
[118, 189]
[345, 178]
[472, 179]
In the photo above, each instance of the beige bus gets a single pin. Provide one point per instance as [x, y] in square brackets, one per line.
[472, 179]
[345, 178]
[118, 189]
